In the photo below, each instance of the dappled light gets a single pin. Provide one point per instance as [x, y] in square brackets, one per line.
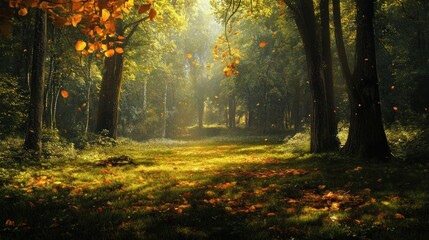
[214, 119]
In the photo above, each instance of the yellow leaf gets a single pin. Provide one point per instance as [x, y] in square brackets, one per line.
[109, 53]
[144, 8]
[22, 12]
[119, 50]
[262, 44]
[80, 45]
[105, 14]
[152, 14]
[188, 55]
[64, 93]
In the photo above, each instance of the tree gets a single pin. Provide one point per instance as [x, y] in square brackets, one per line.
[35, 111]
[323, 132]
[366, 136]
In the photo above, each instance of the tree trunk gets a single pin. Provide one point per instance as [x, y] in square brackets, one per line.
[200, 110]
[164, 127]
[108, 106]
[322, 140]
[231, 112]
[35, 111]
[328, 75]
[296, 115]
[366, 135]
[88, 96]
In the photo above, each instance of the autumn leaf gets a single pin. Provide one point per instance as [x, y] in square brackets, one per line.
[395, 108]
[80, 45]
[75, 19]
[262, 44]
[144, 8]
[119, 50]
[188, 55]
[152, 14]
[399, 216]
[105, 14]
[64, 93]
[109, 53]
[22, 12]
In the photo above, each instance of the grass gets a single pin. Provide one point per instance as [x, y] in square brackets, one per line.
[220, 188]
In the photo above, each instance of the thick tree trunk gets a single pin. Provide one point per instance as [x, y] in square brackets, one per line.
[108, 104]
[107, 117]
[322, 140]
[328, 75]
[366, 135]
[35, 111]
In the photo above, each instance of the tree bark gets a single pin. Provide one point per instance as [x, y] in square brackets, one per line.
[108, 106]
[328, 75]
[322, 139]
[231, 111]
[366, 137]
[35, 112]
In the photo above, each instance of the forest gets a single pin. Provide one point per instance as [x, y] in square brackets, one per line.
[214, 119]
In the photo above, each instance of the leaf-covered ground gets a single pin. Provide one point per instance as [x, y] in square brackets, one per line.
[242, 188]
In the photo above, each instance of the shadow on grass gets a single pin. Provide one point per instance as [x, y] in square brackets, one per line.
[306, 197]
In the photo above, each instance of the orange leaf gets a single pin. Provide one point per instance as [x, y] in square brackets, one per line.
[105, 14]
[395, 108]
[399, 216]
[76, 19]
[22, 12]
[262, 44]
[109, 53]
[121, 38]
[119, 50]
[80, 45]
[144, 8]
[152, 14]
[64, 93]
[59, 22]
[188, 55]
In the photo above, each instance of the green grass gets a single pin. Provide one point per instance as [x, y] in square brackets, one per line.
[221, 188]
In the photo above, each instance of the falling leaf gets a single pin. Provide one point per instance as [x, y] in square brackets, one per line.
[188, 56]
[119, 50]
[64, 93]
[152, 14]
[109, 53]
[392, 87]
[105, 14]
[144, 8]
[80, 45]
[9, 223]
[262, 44]
[395, 108]
[22, 12]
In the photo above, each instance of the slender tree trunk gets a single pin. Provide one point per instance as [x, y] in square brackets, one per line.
[35, 111]
[322, 140]
[164, 127]
[366, 135]
[296, 115]
[88, 96]
[200, 110]
[231, 111]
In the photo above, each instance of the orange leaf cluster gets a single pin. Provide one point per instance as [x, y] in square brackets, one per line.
[95, 18]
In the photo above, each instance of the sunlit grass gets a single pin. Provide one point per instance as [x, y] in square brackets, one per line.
[218, 188]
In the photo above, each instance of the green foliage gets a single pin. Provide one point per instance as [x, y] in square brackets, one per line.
[13, 106]
[409, 143]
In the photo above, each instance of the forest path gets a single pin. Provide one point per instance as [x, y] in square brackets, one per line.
[220, 188]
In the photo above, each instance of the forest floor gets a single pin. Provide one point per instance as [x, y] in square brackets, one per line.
[220, 188]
